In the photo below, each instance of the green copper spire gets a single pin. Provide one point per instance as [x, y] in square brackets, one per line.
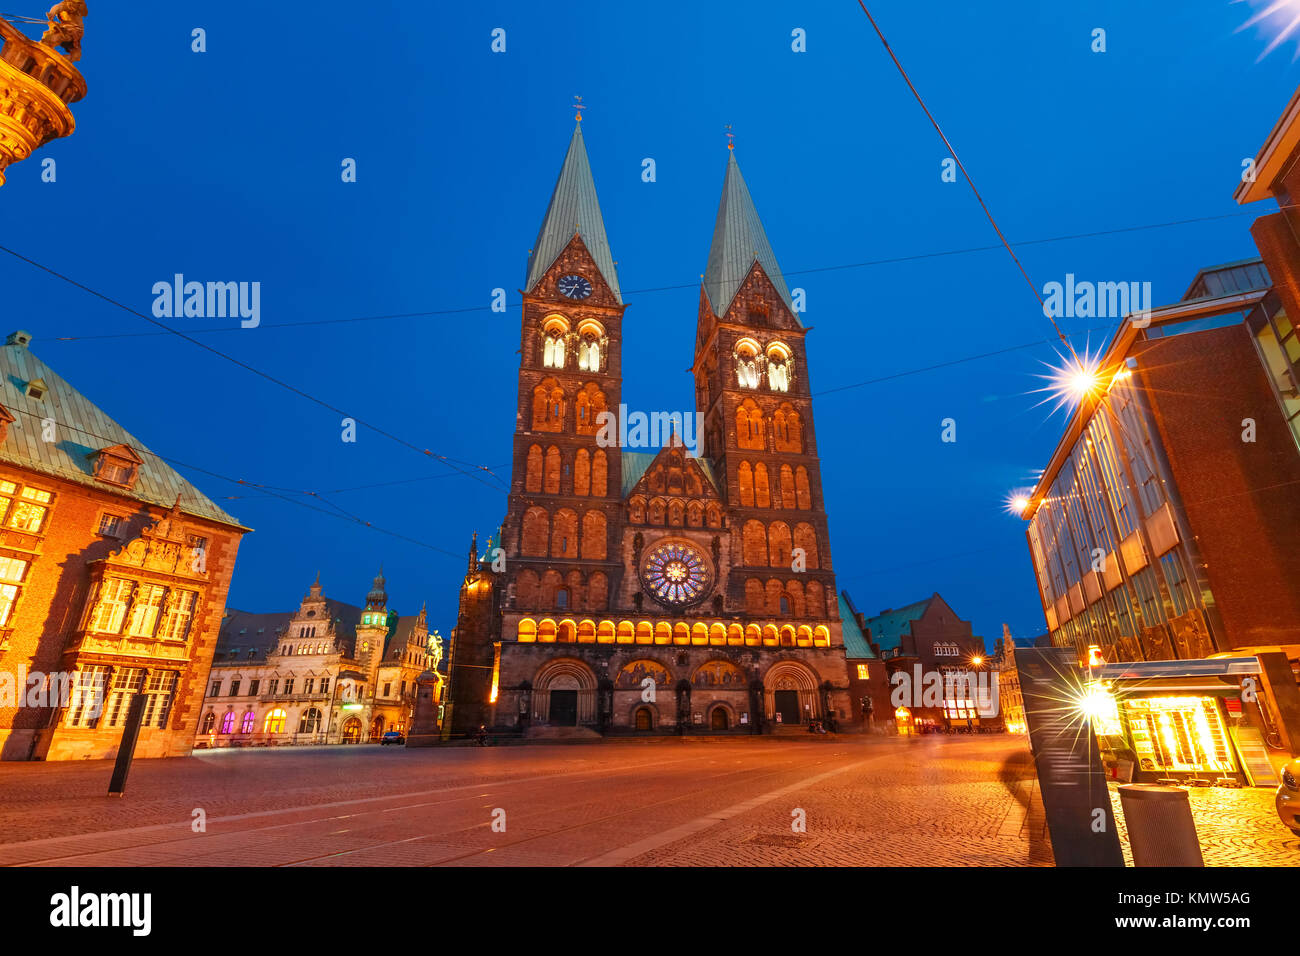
[738, 240]
[573, 209]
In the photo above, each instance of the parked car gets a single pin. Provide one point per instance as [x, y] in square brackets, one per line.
[1288, 797]
[392, 737]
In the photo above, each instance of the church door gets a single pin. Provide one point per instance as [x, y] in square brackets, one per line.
[718, 719]
[787, 705]
[644, 719]
[564, 708]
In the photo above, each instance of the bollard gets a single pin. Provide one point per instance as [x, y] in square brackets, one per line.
[1161, 831]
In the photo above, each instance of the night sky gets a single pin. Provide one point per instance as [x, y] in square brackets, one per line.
[225, 166]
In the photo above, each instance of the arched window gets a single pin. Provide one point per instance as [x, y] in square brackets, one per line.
[564, 534]
[593, 535]
[535, 532]
[787, 433]
[526, 589]
[794, 593]
[745, 480]
[589, 353]
[599, 473]
[582, 472]
[787, 495]
[548, 407]
[554, 333]
[228, 722]
[801, 488]
[747, 374]
[552, 483]
[208, 720]
[762, 490]
[754, 538]
[527, 633]
[590, 404]
[806, 537]
[309, 722]
[749, 426]
[274, 722]
[778, 543]
[248, 723]
[778, 367]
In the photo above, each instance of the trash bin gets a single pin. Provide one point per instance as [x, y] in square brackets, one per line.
[1161, 831]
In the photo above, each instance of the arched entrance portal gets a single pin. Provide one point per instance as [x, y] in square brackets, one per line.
[376, 728]
[352, 730]
[719, 719]
[644, 719]
[564, 693]
[791, 695]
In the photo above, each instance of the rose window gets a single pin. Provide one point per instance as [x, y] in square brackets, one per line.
[676, 574]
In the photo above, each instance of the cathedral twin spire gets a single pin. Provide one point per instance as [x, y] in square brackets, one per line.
[739, 239]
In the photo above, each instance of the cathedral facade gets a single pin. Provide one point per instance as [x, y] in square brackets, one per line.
[633, 589]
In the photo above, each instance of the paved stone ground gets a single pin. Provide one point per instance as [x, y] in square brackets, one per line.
[1235, 827]
[721, 801]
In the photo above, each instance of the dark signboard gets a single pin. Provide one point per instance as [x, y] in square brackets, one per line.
[1070, 773]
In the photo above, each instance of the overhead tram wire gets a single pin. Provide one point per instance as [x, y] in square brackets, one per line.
[338, 513]
[869, 263]
[452, 463]
[970, 182]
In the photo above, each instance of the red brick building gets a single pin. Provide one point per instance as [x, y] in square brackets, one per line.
[114, 572]
[690, 586]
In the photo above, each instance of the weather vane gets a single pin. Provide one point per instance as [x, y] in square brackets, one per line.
[579, 107]
[730, 137]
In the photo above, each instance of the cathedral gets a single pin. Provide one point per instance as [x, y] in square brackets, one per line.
[654, 590]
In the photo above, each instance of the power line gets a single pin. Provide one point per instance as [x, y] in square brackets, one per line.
[452, 463]
[962, 166]
[338, 513]
[868, 263]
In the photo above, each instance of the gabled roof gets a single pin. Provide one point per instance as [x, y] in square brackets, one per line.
[888, 627]
[856, 645]
[573, 209]
[738, 242]
[82, 430]
[243, 631]
[637, 463]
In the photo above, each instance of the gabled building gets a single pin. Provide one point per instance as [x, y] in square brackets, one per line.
[683, 583]
[327, 673]
[114, 572]
[928, 638]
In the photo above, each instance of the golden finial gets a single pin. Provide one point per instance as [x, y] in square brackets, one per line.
[579, 107]
[730, 137]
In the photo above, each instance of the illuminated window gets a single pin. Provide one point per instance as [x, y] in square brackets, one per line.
[208, 720]
[28, 514]
[862, 672]
[11, 575]
[274, 722]
[227, 722]
[110, 609]
[778, 367]
[145, 608]
[87, 701]
[746, 355]
[177, 616]
[310, 721]
[248, 723]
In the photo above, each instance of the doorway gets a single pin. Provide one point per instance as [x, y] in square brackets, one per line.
[644, 719]
[564, 708]
[718, 719]
[787, 705]
[351, 730]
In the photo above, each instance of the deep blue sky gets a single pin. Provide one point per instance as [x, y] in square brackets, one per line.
[225, 166]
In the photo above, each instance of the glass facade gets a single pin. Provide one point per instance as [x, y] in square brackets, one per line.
[1111, 564]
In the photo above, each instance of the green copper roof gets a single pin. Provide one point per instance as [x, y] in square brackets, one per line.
[80, 430]
[856, 645]
[888, 627]
[573, 208]
[738, 240]
[635, 464]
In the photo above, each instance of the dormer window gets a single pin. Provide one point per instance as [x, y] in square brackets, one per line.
[36, 389]
[118, 465]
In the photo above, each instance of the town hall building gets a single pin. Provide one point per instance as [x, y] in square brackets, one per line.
[633, 589]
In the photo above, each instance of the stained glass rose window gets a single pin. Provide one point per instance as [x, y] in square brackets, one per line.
[675, 573]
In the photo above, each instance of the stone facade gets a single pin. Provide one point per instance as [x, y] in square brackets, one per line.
[688, 587]
[329, 674]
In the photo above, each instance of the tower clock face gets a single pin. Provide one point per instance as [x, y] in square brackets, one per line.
[574, 287]
[676, 574]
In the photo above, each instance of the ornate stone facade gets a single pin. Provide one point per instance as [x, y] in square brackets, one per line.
[654, 590]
